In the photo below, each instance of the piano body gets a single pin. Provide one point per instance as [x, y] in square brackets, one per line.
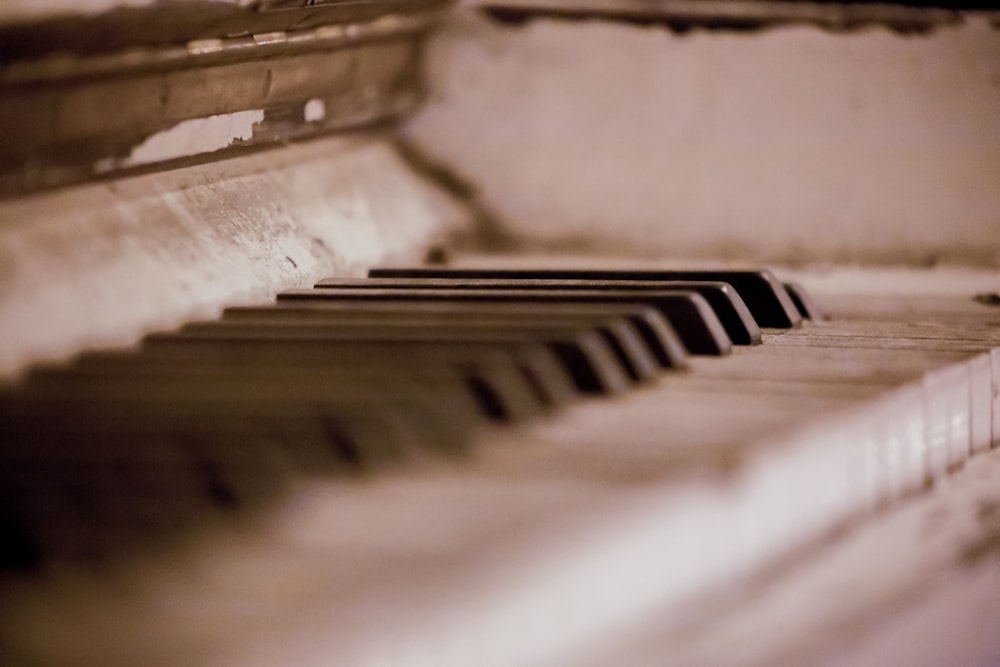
[828, 496]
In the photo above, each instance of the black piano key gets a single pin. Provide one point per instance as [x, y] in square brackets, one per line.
[324, 384]
[804, 303]
[84, 494]
[345, 435]
[221, 409]
[112, 460]
[525, 379]
[765, 296]
[165, 351]
[690, 315]
[496, 391]
[20, 551]
[544, 374]
[620, 335]
[583, 352]
[660, 338]
[249, 378]
[727, 304]
[440, 380]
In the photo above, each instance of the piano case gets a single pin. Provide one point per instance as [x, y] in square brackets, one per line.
[368, 333]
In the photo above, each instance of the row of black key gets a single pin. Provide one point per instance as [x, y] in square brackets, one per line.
[351, 375]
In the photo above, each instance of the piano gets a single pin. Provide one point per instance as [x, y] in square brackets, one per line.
[516, 332]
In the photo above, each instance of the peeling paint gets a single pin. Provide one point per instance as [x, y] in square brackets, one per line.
[200, 135]
[315, 110]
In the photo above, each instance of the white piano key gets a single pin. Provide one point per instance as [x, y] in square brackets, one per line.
[946, 393]
[995, 364]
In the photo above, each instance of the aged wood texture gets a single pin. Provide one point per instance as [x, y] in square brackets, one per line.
[104, 262]
[32, 29]
[69, 115]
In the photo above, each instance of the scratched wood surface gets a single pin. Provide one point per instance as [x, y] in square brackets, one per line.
[103, 263]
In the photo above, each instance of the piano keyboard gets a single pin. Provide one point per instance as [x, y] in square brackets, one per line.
[502, 466]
